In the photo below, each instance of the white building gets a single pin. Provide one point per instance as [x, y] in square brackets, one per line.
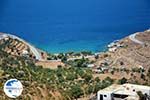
[90, 65]
[112, 49]
[25, 52]
[122, 92]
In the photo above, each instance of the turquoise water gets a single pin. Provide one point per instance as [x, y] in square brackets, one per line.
[73, 25]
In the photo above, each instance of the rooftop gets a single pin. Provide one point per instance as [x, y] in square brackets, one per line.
[126, 89]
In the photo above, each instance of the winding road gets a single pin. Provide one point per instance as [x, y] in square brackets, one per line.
[32, 48]
[132, 37]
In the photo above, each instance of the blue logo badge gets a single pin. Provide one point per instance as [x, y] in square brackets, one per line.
[13, 88]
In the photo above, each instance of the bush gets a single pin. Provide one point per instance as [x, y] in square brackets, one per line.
[109, 80]
[148, 73]
[141, 95]
[87, 77]
[97, 79]
[112, 72]
[143, 76]
[80, 72]
[71, 77]
[89, 89]
[76, 91]
[97, 87]
[138, 70]
[86, 53]
[122, 81]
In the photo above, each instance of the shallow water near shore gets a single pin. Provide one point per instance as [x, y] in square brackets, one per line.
[73, 25]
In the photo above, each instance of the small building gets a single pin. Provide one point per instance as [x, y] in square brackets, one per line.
[114, 43]
[122, 92]
[25, 52]
[90, 65]
[112, 49]
[97, 70]
[105, 69]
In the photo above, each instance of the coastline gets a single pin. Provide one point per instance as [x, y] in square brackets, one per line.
[123, 64]
[37, 52]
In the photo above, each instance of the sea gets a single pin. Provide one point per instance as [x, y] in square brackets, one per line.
[73, 25]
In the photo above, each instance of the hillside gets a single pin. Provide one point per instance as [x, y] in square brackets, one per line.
[129, 62]
[130, 54]
[127, 58]
[46, 84]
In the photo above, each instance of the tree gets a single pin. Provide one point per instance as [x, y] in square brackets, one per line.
[97, 57]
[97, 79]
[136, 70]
[143, 76]
[71, 77]
[148, 73]
[59, 72]
[109, 79]
[97, 87]
[122, 81]
[89, 89]
[112, 72]
[1, 72]
[76, 91]
[141, 95]
[80, 72]
[121, 63]
[64, 59]
[61, 79]
[59, 66]
[87, 77]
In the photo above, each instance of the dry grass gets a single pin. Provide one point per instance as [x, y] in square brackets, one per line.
[50, 64]
[134, 55]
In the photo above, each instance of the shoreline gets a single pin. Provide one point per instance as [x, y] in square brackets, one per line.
[37, 51]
